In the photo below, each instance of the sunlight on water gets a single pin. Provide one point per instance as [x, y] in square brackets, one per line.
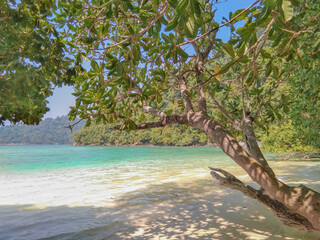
[95, 176]
[116, 192]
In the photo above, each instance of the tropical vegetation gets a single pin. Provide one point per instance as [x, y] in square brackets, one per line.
[49, 131]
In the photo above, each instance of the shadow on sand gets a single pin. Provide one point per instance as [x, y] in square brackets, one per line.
[190, 210]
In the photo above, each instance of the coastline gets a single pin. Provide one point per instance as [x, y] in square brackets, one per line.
[138, 144]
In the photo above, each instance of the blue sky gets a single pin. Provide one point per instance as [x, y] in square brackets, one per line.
[62, 97]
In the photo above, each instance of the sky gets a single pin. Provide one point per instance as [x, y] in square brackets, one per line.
[62, 97]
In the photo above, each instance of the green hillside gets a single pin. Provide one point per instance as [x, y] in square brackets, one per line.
[49, 131]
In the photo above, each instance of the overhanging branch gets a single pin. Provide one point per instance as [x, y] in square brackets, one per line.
[169, 119]
[285, 215]
[144, 125]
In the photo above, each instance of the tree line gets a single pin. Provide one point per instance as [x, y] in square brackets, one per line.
[49, 131]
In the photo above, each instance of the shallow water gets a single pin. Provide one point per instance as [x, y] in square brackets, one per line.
[64, 192]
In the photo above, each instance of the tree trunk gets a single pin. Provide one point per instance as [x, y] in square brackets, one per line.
[297, 206]
[252, 143]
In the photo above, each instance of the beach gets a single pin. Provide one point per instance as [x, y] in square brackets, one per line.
[134, 193]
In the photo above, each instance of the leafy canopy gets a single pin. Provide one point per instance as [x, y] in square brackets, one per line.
[32, 60]
[123, 55]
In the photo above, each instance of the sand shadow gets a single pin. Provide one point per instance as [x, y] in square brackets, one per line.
[190, 210]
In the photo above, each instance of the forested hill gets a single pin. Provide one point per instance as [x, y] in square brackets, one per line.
[49, 131]
[167, 136]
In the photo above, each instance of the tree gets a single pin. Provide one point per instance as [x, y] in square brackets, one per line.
[49, 131]
[170, 135]
[32, 60]
[131, 58]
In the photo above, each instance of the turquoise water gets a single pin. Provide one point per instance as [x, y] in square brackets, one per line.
[54, 157]
[65, 192]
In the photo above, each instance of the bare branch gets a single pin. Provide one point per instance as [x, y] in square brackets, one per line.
[183, 89]
[202, 102]
[154, 111]
[195, 47]
[71, 126]
[185, 95]
[170, 119]
[210, 44]
[144, 125]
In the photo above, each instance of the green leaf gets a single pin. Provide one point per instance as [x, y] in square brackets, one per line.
[250, 79]
[166, 38]
[285, 108]
[245, 32]
[265, 54]
[181, 7]
[195, 8]
[228, 48]
[182, 53]
[277, 40]
[172, 24]
[269, 68]
[241, 49]
[300, 59]
[287, 9]
[264, 14]
[173, 3]
[88, 123]
[275, 71]
[190, 28]
[143, 72]
[95, 66]
[268, 3]
[242, 16]
[155, 5]
[136, 52]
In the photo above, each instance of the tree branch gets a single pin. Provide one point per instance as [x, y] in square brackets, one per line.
[169, 119]
[216, 28]
[199, 66]
[71, 126]
[237, 59]
[262, 102]
[142, 31]
[235, 124]
[202, 103]
[183, 89]
[154, 111]
[210, 44]
[185, 95]
[144, 125]
[195, 47]
[285, 215]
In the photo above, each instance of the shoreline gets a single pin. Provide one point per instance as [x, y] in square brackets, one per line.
[128, 202]
[286, 156]
[143, 145]
[139, 144]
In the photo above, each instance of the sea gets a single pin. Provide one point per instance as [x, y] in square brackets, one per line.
[105, 192]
